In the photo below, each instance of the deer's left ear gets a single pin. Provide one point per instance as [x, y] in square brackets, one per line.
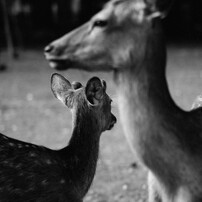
[158, 8]
[95, 90]
[60, 87]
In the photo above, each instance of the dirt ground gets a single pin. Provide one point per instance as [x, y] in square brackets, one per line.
[29, 112]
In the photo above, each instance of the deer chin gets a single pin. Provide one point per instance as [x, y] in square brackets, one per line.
[64, 64]
[60, 64]
[73, 63]
[111, 125]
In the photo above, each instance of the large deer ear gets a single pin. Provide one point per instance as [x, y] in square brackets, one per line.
[60, 86]
[158, 8]
[95, 90]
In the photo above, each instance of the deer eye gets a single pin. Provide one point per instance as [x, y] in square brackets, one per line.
[100, 23]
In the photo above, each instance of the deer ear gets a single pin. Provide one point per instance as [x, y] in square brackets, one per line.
[60, 86]
[95, 90]
[158, 8]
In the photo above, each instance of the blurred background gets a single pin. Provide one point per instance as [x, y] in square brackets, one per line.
[29, 111]
[33, 23]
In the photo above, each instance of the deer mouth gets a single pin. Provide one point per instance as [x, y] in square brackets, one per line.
[59, 64]
[62, 63]
[110, 127]
[74, 63]
[112, 124]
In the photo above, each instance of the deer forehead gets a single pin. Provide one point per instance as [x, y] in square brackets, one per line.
[122, 10]
[105, 14]
[79, 97]
[79, 93]
[73, 95]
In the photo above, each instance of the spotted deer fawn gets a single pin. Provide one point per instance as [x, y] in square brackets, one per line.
[37, 174]
[126, 37]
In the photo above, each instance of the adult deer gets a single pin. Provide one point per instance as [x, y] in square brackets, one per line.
[126, 37]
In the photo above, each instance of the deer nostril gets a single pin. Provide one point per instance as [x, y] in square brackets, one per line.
[48, 48]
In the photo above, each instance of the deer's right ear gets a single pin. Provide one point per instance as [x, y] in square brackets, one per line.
[60, 86]
[95, 90]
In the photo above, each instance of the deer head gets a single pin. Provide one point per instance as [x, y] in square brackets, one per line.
[114, 38]
[87, 103]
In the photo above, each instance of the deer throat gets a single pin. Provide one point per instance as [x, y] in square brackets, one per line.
[143, 103]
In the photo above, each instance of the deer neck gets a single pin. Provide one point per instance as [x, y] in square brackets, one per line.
[144, 98]
[83, 150]
[145, 77]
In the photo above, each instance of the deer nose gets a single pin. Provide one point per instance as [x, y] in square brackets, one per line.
[113, 121]
[48, 48]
